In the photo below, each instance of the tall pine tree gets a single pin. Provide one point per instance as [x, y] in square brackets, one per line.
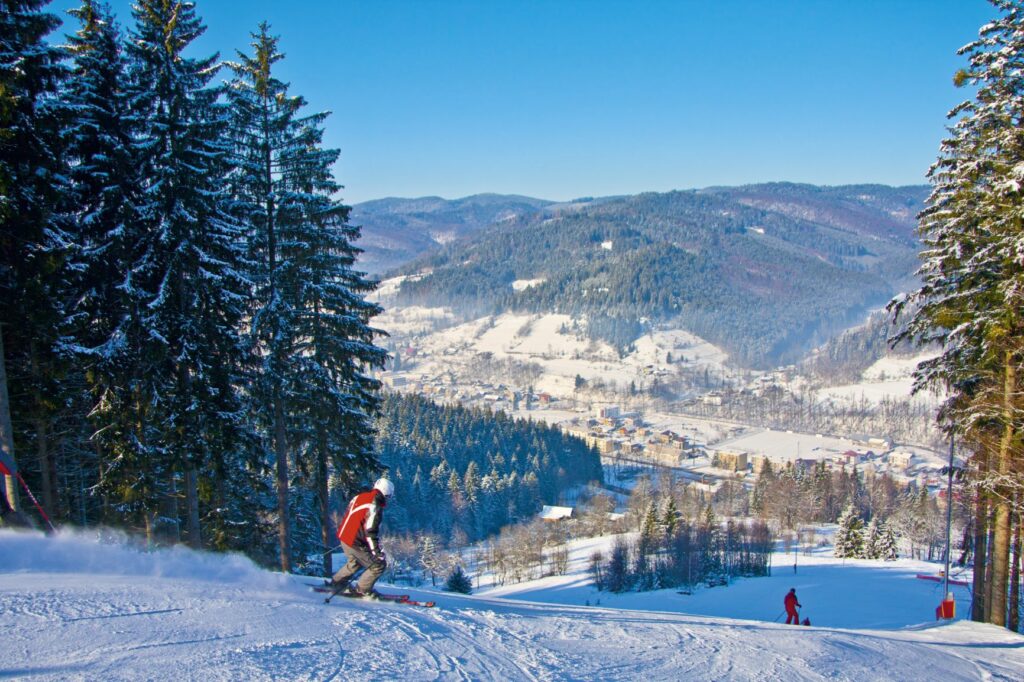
[104, 191]
[186, 286]
[971, 301]
[34, 244]
[310, 318]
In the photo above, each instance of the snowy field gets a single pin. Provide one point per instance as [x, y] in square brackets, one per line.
[548, 341]
[74, 609]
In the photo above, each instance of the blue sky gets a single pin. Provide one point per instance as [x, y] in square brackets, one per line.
[569, 98]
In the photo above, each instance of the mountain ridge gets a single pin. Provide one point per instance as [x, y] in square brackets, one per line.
[767, 271]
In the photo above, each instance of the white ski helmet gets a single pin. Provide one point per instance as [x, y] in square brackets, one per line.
[386, 487]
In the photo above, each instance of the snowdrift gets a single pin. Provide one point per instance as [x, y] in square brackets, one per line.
[113, 553]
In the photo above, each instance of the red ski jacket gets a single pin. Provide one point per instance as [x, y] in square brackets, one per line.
[791, 602]
[362, 519]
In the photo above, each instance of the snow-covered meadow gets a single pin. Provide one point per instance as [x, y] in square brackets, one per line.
[552, 342]
[75, 608]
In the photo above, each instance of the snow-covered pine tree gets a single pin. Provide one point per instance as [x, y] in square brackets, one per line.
[762, 488]
[616, 574]
[104, 185]
[649, 535]
[311, 319]
[429, 559]
[186, 280]
[871, 540]
[849, 539]
[33, 239]
[103, 191]
[886, 544]
[971, 300]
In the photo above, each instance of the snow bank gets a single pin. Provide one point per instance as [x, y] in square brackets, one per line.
[113, 553]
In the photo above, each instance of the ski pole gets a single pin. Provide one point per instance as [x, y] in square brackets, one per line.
[36, 503]
[779, 616]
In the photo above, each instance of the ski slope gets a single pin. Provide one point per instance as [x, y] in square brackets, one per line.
[73, 608]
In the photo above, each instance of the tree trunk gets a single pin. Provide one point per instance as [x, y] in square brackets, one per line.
[192, 503]
[1001, 529]
[11, 501]
[281, 451]
[980, 549]
[322, 493]
[1014, 619]
[150, 519]
[47, 468]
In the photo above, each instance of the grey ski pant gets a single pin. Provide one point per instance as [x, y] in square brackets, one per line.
[360, 558]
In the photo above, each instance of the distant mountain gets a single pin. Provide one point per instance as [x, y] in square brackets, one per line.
[764, 271]
[395, 231]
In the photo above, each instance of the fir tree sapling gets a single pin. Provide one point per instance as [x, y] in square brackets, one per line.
[458, 581]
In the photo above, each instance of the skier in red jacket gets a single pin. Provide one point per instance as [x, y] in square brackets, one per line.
[792, 617]
[358, 537]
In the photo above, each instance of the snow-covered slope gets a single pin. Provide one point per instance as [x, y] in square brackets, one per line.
[72, 608]
[551, 343]
[889, 377]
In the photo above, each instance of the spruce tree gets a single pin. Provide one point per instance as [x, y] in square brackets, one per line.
[872, 540]
[970, 301]
[670, 519]
[886, 544]
[34, 244]
[310, 316]
[649, 534]
[849, 539]
[186, 286]
[459, 582]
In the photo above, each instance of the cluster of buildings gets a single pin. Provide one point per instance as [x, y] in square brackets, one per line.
[624, 434]
[444, 388]
[624, 437]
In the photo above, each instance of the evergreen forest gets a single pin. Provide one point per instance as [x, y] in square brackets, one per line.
[187, 350]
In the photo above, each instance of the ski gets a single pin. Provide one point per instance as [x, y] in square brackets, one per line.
[381, 596]
[404, 599]
[343, 593]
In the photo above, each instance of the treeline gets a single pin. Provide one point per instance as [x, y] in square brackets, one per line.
[683, 256]
[905, 420]
[792, 498]
[186, 341]
[464, 474]
[671, 551]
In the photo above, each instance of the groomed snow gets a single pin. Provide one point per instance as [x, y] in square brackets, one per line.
[72, 608]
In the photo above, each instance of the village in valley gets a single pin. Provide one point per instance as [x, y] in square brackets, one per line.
[647, 411]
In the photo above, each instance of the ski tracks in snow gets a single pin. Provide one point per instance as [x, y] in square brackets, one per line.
[126, 628]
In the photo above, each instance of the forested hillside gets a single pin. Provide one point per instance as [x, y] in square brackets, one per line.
[764, 283]
[846, 356]
[396, 231]
[470, 472]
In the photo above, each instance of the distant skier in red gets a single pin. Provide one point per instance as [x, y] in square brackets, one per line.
[792, 617]
[358, 537]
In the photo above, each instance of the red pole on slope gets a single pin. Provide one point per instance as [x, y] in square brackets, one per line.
[36, 503]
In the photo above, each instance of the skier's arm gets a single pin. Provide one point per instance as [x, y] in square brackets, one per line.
[371, 527]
